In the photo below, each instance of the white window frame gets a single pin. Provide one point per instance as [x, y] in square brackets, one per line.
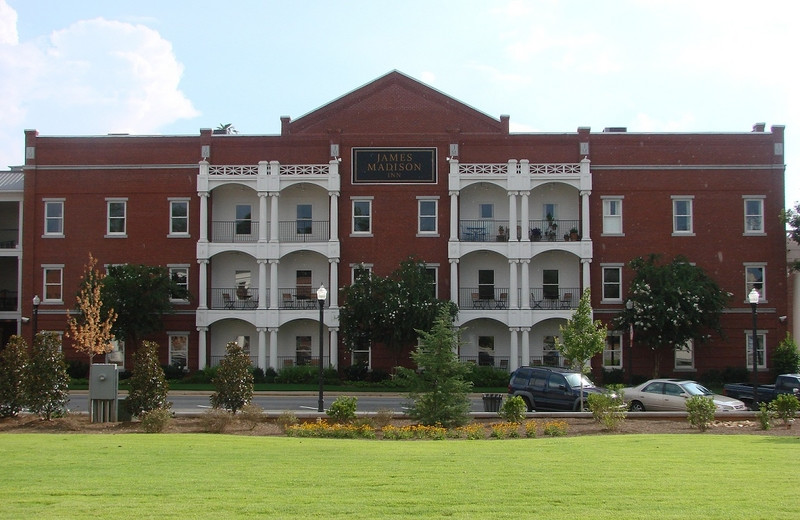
[611, 267]
[173, 219]
[761, 337]
[59, 268]
[619, 350]
[354, 268]
[124, 217]
[750, 283]
[682, 355]
[174, 268]
[172, 338]
[59, 334]
[427, 217]
[368, 217]
[47, 219]
[612, 222]
[750, 218]
[689, 215]
[434, 269]
[489, 213]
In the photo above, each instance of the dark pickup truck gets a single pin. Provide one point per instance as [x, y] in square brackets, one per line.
[784, 384]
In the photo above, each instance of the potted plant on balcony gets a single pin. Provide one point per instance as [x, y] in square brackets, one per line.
[552, 226]
[536, 234]
[573, 234]
[501, 234]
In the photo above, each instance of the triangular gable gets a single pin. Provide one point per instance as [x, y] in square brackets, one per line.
[395, 104]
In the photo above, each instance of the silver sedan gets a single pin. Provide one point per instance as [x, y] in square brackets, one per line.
[670, 395]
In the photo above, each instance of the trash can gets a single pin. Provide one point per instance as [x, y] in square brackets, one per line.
[492, 402]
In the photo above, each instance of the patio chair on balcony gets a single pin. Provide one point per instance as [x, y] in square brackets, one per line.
[288, 301]
[227, 301]
[477, 303]
[566, 301]
[502, 303]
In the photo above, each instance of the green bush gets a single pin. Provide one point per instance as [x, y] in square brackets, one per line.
[306, 374]
[608, 407]
[148, 385]
[486, 376]
[613, 377]
[785, 407]
[258, 375]
[77, 369]
[233, 381]
[786, 359]
[286, 419]
[343, 409]
[47, 381]
[202, 377]
[513, 409]
[13, 367]
[765, 416]
[156, 420]
[701, 411]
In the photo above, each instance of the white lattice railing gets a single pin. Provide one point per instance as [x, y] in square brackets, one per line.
[536, 169]
[305, 169]
[233, 170]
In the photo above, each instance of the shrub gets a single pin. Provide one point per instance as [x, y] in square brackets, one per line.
[77, 369]
[343, 409]
[13, 367]
[286, 419]
[608, 408]
[556, 428]
[530, 429]
[765, 416]
[156, 420]
[216, 420]
[202, 377]
[613, 377]
[47, 381]
[513, 409]
[253, 415]
[321, 428]
[701, 411]
[173, 372]
[383, 417]
[233, 381]
[785, 407]
[269, 375]
[148, 390]
[487, 376]
[258, 375]
[786, 359]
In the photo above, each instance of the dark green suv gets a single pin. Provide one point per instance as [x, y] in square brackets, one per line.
[550, 388]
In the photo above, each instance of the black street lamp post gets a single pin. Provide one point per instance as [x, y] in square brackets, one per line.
[322, 293]
[36, 302]
[753, 299]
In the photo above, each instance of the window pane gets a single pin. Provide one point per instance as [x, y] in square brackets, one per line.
[116, 217]
[361, 216]
[427, 215]
[753, 216]
[611, 283]
[487, 210]
[180, 217]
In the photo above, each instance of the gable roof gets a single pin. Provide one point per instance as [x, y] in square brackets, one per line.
[395, 104]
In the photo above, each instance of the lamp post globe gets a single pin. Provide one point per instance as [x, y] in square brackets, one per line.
[322, 294]
[753, 299]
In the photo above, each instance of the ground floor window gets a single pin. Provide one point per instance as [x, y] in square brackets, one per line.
[684, 356]
[303, 350]
[550, 355]
[179, 350]
[486, 350]
[762, 358]
[361, 357]
[612, 352]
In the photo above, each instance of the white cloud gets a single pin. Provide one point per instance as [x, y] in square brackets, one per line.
[93, 77]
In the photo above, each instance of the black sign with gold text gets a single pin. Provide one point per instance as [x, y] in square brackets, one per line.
[381, 165]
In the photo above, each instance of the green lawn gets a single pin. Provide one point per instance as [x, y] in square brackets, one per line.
[76, 476]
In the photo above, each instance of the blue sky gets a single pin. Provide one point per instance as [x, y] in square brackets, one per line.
[90, 67]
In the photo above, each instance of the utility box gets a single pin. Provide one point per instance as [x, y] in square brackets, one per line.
[103, 392]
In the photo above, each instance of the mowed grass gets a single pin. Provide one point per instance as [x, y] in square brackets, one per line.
[76, 476]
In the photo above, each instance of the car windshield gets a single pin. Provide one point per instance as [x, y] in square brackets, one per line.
[574, 380]
[696, 389]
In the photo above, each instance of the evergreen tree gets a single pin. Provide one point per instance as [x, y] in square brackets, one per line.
[786, 359]
[234, 380]
[439, 388]
[13, 368]
[149, 386]
[47, 379]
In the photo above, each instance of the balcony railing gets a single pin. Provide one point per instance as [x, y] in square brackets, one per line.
[304, 231]
[483, 298]
[234, 298]
[234, 231]
[300, 298]
[483, 230]
[497, 298]
[549, 359]
[9, 238]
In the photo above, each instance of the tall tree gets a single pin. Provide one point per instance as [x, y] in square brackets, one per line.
[47, 387]
[90, 330]
[391, 310]
[439, 388]
[672, 303]
[13, 374]
[141, 295]
[583, 338]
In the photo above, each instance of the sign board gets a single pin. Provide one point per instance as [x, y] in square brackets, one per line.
[394, 165]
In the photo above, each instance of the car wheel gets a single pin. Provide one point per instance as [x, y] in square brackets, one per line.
[528, 404]
[637, 406]
[577, 407]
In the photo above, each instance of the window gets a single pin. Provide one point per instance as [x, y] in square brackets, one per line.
[684, 356]
[753, 216]
[244, 222]
[550, 354]
[117, 216]
[179, 349]
[359, 270]
[612, 216]
[180, 277]
[550, 284]
[244, 342]
[486, 284]
[612, 283]
[427, 217]
[760, 338]
[612, 352]
[754, 279]
[362, 216]
[53, 283]
[303, 221]
[179, 217]
[303, 284]
[486, 210]
[486, 351]
[54, 218]
[433, 272]
[361, 356]
[303, 350]
[549, 212]
[682, 215]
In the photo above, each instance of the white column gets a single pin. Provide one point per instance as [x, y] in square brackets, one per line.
[525, 289]
[333, 282]
[262, 284]
[585, 215]
[453, 215]
[334, 347]
[334, 216]
[262, 217]
[513, 350]
[202, 285]
[202, 362]
[262, 348]
[273, 217]
[512, 284]
[203, 217]
[526, 346]
[587, 277]
[454, 281]
[525, 218]
[512, 215]
[273, 348]
[273, 284]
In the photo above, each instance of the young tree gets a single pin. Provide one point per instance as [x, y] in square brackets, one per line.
[672, 303]
[439, 389]
[786, 359]
[47, 388]
[90, 331]
[234, 380]
[13, 373]
[583, 338]
[149, 386]
[141, 295]
[391, 310]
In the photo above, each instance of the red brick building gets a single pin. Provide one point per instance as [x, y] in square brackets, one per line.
[254, 224]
